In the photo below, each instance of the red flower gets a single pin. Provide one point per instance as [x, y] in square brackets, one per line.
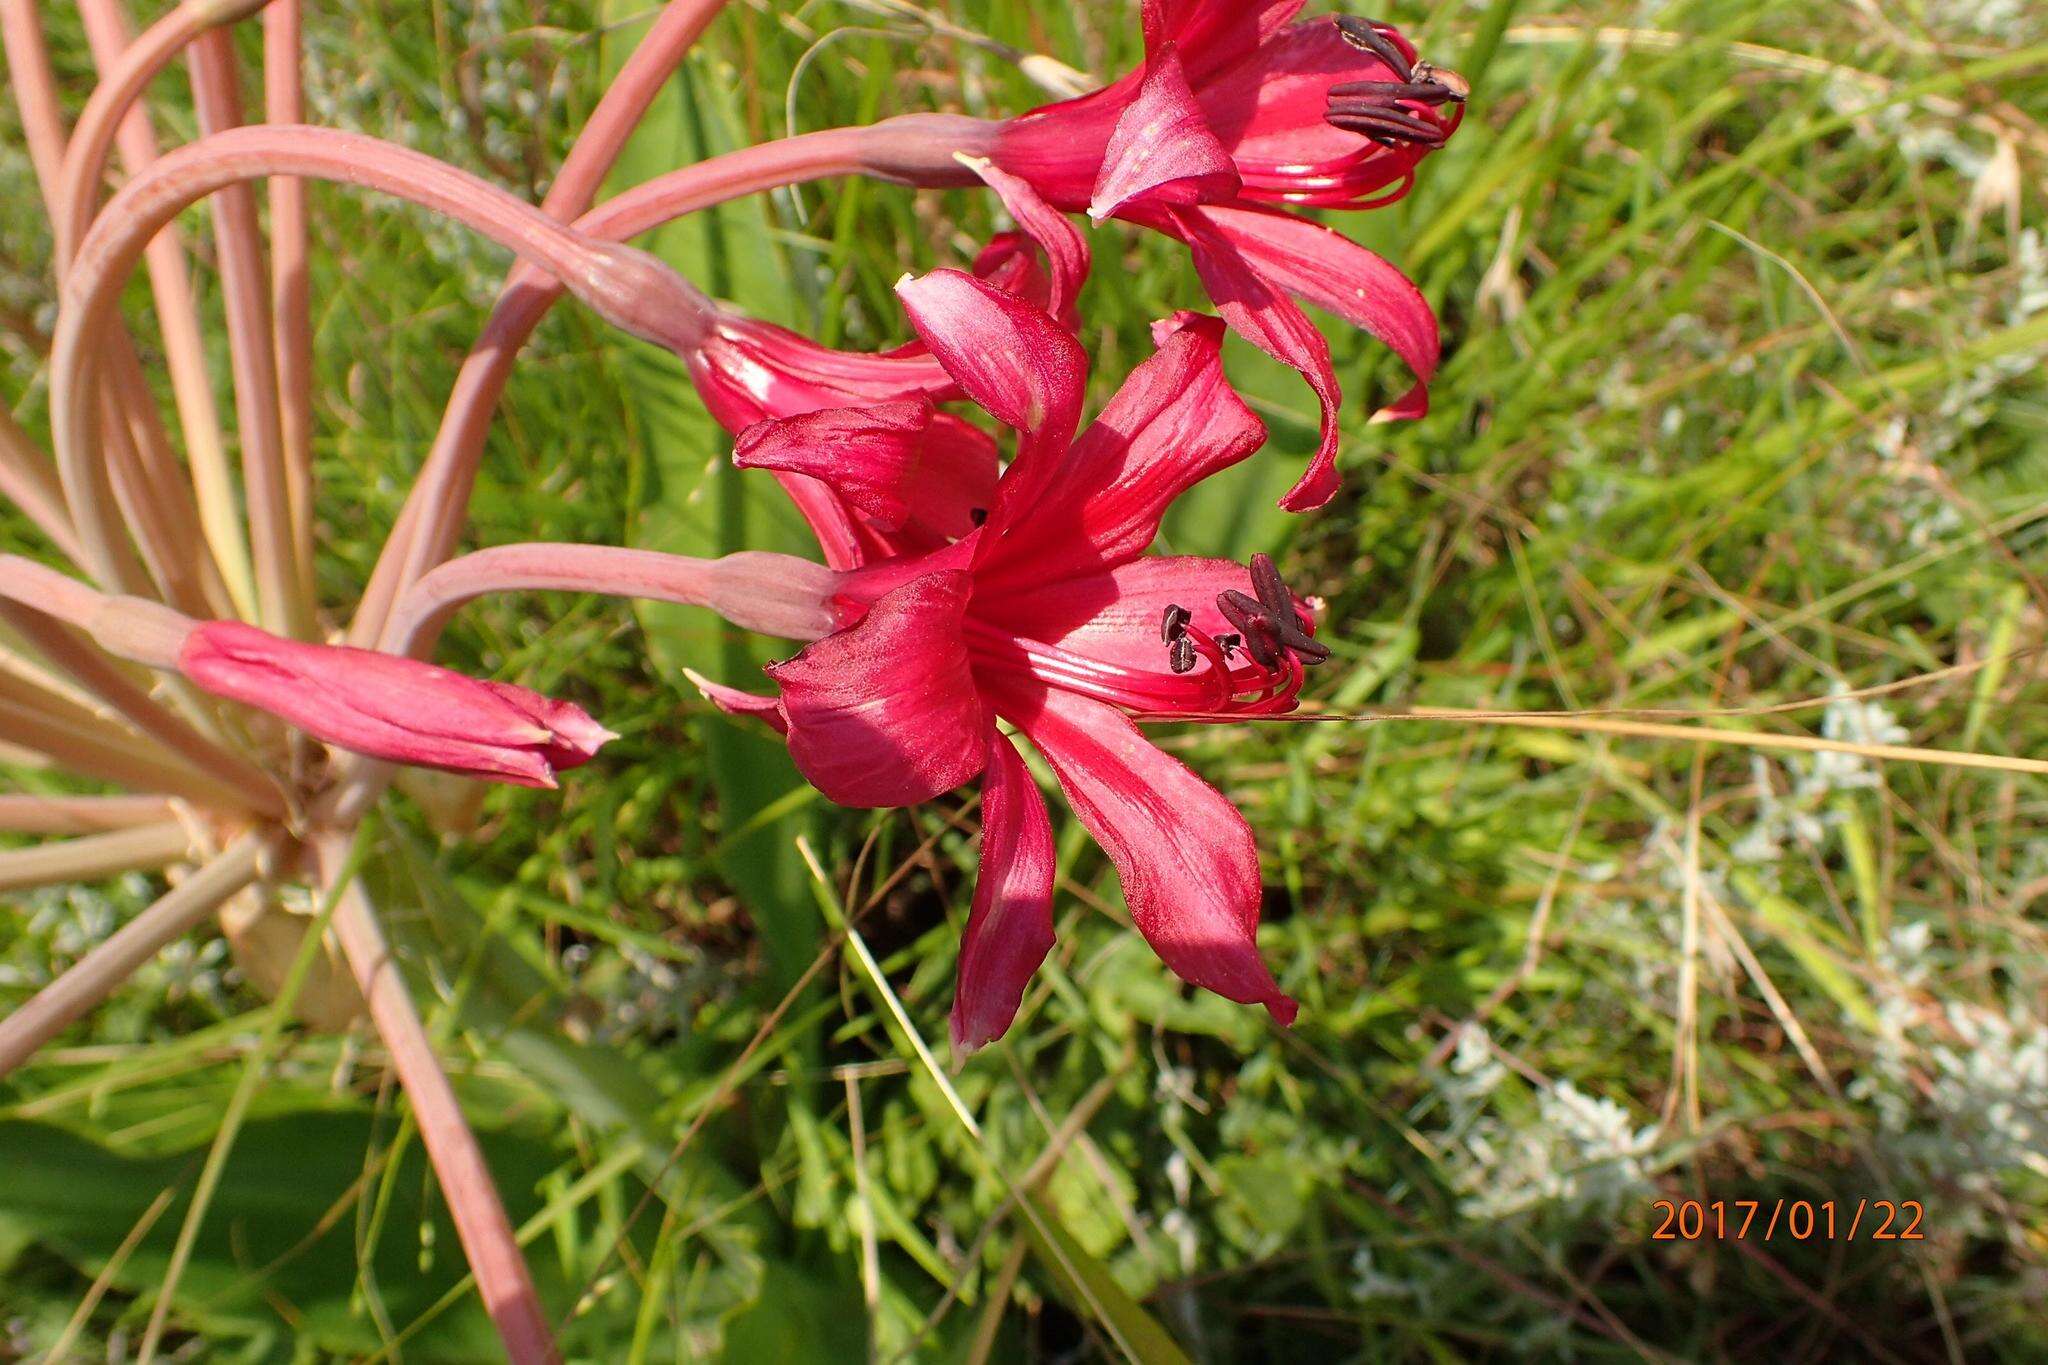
[394, 708]
[1236, 111]
[749, 372]
[1050, 616]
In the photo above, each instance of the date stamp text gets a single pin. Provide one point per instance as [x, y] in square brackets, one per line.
[1798, 1220]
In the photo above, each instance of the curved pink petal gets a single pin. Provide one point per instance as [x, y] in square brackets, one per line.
[1175, 421]
[1258, 310]
[1008, 356]
[956, 483]
[748, 370]
[734, 702]
[859, 589]
[1329, 270]
[1215, 33]
[1162, 150]
[1114, 616]
[1189, 867]
[1011, 262]
[1065, 249]
[1269, 109]
[574, 736]
[867, 455]
[886, 712]
[1009, 931]
[842, 539]
[1059, 147]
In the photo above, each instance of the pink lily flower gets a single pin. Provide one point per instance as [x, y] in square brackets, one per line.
[1050, 616]
[392, 708]
[749, 372]
[1237, 112]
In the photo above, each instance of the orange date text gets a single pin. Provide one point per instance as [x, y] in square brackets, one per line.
[1798, 1220]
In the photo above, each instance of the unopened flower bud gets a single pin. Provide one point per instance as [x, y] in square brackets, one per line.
[392, 708]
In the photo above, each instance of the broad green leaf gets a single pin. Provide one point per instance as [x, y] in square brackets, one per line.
[513, 1009]
[269, 1261]
[802, 1316]
[1088, 1287]
[1265, 1199]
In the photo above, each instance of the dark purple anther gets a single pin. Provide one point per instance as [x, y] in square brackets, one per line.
[1269, 622]
[1271, 588]
[1422, 92]
[1392, 113]
[1387, 127]
[1249, 616]
[1366, 36]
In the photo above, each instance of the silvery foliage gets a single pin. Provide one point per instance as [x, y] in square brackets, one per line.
[1575, 1155]
[1795, 800]
[1959, 1087]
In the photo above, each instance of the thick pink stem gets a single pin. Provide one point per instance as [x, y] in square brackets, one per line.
[114, 116]
[135, 443]
[59, 1004]
[35, 89]
[94, 856]
[250, 786]
[480, 1222]
[54, 594]
[407, 554]
[29, 481]
[628, 288]
[151, 487]
[113, 113]
[45, 606]
[252, 351]
[81, 814]
[916, 147]
[625, 103]
[769, 594]
[124, 764]
[284, 101]
[31, 690]
[39, 715]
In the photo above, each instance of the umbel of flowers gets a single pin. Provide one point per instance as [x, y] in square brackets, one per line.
[974, 595]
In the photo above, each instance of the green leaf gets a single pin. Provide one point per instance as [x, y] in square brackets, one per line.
[1089, 1288]
[1266, 1199]
[801, 1316]
[1810, 942]
[269, 1260]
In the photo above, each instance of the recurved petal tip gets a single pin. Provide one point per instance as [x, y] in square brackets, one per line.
[734, 702]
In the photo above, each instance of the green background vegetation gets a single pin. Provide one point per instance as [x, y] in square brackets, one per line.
[1745, 305]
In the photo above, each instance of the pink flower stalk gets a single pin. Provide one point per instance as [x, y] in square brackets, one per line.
[392, 708]
[1238, 111]
[1050, 616]
[749, 372]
